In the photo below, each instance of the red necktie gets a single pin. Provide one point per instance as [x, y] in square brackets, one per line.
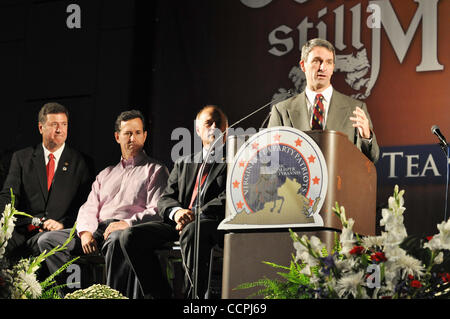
[318, 113]
[195, 191]
[50, 170]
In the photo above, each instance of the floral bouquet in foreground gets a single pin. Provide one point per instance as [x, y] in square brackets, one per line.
[19, 281]
[391, 265]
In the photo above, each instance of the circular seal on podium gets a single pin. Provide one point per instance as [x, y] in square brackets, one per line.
[278, 179]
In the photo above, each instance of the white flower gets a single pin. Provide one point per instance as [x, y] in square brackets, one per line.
[347, 239]
[303, 251]
[316, 244]
[441, 240]
[373, 241]
[392, 220]
[410, 266]
[444, 234]
[439, 258]
[9, 226]
[351, 285]
[345, 265]
[6, 228]
[30, 284]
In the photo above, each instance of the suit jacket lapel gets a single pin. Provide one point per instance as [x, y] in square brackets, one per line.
[191, 175]
[213, 173]
[40, 169]
[338, 113]
[299, 114]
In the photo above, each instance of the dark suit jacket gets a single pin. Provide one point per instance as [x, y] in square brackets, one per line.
[294, 112]
[181, 183]
[28, 179]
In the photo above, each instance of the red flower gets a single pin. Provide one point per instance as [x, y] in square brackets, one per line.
[357, 250]
[429, 238]
[410, 277]
[378, 256]
[415, 284]
[445, 276]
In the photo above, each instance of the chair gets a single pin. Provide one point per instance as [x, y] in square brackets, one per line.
[172, 266]
[93, 270]
[214, 290]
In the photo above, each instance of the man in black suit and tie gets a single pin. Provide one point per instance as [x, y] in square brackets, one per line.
[140, 242]
[320, 106]
[50, 181]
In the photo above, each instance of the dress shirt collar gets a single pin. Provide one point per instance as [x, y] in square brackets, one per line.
[205, 152]
[327, 93]
[133, 161]
[57, 154]
[212, 156]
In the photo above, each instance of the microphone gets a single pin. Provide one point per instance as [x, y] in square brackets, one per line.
[435, 130]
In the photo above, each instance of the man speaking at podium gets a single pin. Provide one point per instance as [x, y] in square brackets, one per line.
[321, 107]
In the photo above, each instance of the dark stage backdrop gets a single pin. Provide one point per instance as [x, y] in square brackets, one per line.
[170, 58]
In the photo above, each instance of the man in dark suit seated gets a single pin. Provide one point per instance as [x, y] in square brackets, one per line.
[50, 181]
[321, 107]
[175, 206]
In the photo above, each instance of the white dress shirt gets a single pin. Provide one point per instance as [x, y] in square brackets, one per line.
[311, 99]
[57, 155]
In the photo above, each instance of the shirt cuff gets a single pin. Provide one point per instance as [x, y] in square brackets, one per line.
[172, 212]
[368, 140]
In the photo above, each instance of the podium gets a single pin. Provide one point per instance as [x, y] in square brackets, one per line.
[352, 182]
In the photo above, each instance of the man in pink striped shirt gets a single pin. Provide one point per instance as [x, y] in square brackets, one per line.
[122, 196]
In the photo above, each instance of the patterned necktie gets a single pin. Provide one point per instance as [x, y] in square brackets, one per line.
[318, 113]
[195, 191]
[50, 170]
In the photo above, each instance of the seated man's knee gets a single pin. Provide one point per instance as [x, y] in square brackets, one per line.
[127, 237]
[45, 241]
[188, 233]
[49, 240]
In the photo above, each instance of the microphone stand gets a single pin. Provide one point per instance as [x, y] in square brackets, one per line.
[198, 201]
[445, 147]
[447, 158]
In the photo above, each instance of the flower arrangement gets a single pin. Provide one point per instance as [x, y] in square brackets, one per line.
[391, 265]
[96, 291]
[19, 281]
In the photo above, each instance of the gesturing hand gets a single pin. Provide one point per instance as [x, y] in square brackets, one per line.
[361, 122]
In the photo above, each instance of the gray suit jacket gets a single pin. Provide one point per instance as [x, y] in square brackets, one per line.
[293, 112]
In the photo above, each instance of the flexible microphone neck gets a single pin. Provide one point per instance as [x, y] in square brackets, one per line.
[288, 94]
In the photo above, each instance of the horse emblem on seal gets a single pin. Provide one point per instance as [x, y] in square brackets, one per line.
[278, 179]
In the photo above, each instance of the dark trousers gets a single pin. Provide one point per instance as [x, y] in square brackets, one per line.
[119, 274]
[140, 244]
[24, 244]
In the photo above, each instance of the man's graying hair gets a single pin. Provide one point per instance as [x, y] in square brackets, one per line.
[317, 42]
[51, 108]
[128, 115]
